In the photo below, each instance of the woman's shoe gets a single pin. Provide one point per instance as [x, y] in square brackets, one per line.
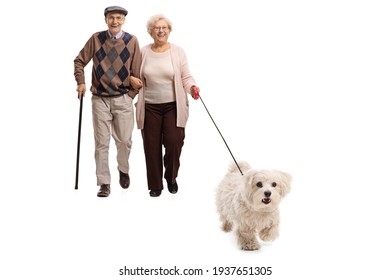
[173, 188]
[154, 193]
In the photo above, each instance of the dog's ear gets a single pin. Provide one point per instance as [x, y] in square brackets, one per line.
[248, 177]
[286, 179]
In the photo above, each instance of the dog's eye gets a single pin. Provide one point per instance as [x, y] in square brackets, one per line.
[274, 184]
[259, 184]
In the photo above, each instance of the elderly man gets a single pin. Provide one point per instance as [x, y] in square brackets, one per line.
[116, 56]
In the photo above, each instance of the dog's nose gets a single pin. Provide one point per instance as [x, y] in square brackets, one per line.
[267, 193]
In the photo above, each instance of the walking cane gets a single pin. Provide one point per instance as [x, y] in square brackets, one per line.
[78, 143]
[196, 96]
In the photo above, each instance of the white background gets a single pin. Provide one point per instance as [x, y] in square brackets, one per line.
[300, 86]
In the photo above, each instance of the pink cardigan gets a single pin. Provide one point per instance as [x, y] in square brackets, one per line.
[182, 80]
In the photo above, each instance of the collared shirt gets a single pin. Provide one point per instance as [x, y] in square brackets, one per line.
[116, 36]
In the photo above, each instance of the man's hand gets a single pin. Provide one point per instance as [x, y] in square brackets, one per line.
[81, 88]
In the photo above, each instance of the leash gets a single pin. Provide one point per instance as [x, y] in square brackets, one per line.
[196, 96]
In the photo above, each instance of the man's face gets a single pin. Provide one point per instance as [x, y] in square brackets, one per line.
[114, 22]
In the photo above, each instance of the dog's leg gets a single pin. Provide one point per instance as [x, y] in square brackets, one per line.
[247, 239]
[270, 233]
[226, 224]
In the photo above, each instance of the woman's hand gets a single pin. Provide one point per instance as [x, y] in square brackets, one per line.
[135, 83]
[195, 92]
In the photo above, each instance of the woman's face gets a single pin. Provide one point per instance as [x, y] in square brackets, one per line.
[160, 32]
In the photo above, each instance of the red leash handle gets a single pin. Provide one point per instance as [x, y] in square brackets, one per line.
[195, 92]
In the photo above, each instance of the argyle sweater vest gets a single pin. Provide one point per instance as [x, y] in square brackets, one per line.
[114, 60]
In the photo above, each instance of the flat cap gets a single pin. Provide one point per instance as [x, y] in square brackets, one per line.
[115, 9]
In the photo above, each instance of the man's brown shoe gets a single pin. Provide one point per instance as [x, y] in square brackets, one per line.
[104, 190]
[124, 180]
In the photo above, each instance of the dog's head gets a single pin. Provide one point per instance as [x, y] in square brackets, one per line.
[265, 189]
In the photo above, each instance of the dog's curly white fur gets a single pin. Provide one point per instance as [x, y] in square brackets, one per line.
[249, 203]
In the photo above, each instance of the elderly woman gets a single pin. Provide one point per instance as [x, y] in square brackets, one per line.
[162, 108]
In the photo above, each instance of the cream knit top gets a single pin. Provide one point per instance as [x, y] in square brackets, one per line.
[158, 78]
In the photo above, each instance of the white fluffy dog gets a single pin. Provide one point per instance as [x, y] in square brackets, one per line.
[249, 203]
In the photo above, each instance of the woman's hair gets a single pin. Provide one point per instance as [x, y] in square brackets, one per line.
[152, 21]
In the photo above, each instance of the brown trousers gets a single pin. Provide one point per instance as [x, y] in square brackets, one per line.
[160, 131]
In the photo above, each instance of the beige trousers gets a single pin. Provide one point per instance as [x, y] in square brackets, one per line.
[112, 116]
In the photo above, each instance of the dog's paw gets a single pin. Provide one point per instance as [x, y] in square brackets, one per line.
[250, 245]
[247, 240]
[269, 234]
[227, 226]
